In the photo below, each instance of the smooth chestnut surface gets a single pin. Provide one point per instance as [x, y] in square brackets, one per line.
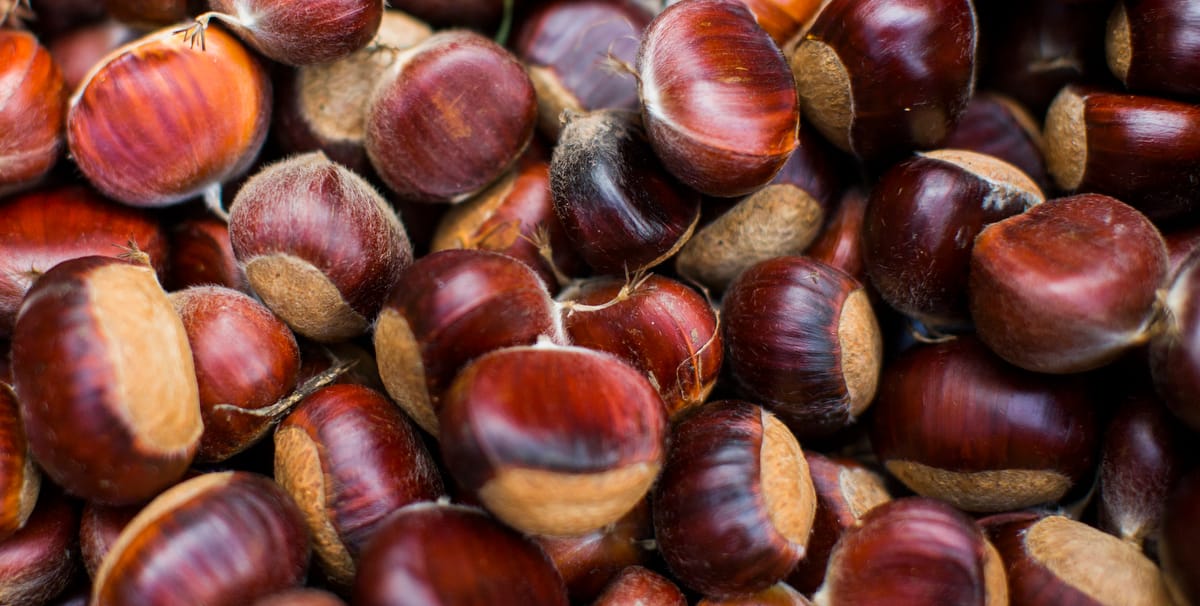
[734, 507]
[707, 58]
[840, 243]
[801, 337]
[620, 209]
[914, 551]
[955, 422]
[998, 125]
[638, 585]
[1056, 560]
[20, 480]
[431, 554]
[447, 309]
[320, 246]
[320, 32]
[150, 13]
[921, 223]
[783, 19]
[31, 112]
[202, 254]
[349, 458]
[1140, 150]
[660, 326]
[246, 359]
[1153, 46]
[99, 528]
[1180, 547]
[1068, 285]
[879, 78]
[39, 561]
[452, 114]
[1174, 352]
[558, 457]
[219, 538]
[589, 561]
[105, 380]
[78, 50]
[160, 121]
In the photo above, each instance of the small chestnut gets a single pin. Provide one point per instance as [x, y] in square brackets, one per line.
[31, 110]
[840, 243]
[318, 31]
[641, 586]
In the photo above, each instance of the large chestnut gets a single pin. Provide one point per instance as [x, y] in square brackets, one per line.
[31, 111]
[20, 480]
[1152, 45]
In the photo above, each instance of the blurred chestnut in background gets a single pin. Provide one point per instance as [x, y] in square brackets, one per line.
[79, 50]
[587, 562]
[151, 13]
[1153, 45]
[301, 597]
[31, 110]
[318, 31]
[39, 561]
[998, 125]
[840, 242]
[638, 585]
[20, 480]
[99, 528]
[477, 14]
[202, 254]
[1175, 349]
[1180, 543]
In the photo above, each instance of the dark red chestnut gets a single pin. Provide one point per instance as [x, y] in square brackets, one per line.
[998, 125]
[442, 555]
[1068, 285]
[1175, 349]
[202, 254]
[220, 538]
[1152, 46]
[1180, 545]
[20, 479]
[39, 561]
[31, 112]
[840, 243]
[718, 101]
[150, 13]
[315, 32]
[456, 95]
[562, 456]
[482, 15]
[589, 561]
[914, 551]
[105, 380]
[320, 246]
[879, 78]
[349, 458]
[638, 585]
[186, 119]
[99, 528]
[734, 507]
[803, 339]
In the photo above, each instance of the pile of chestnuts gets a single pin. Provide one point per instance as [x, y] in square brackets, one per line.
[599, 302]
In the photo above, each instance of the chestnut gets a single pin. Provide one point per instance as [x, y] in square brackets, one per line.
[185, 119]
[660, 326]
[319, 245]
[301, 597]
[1068, 285]
[588, 562]
[704, 59]
[620, 209]
[150, 13]
[99, 528]
[1152, 46]
[779, 594]
[955, 422]
[1181, 243]
[105, 380]
[220, 538]
[79, 49]
[1180, 545]
[558, 457]
[783, 19]
[840, 244]
[246, 360]
[1054, 560]
[202, 254]
[1140, 150]
[638, 585]
[447, 309]
[349, 458]
[31, 112]
[1174, 349]
[455, 95]
[879, 79]
[802, 338]
[998, 125]
[477, 14]
[434, 554]
[914, 551]
[316, 32]
[20, 480]
[921, 223]
[734, 507]
[40, 560]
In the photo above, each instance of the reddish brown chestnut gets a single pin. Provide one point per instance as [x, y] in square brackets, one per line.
[301, 597]
[99, 527]
[219, 538]
[31, 112]
[1067, 286]
[956, 423]
[105, 380]
[559, 457]
[879, 78]
[39, 561]
[803, 339]
[914, 551]
[20, 480]
[349, 458]
[1180, 545]
[658, 325]
[998, 125]
[315, 32]
[430, 554]
[184, 119]
[637, 585]
[1152, 46]
[779, 594]
[783, 19]
[840, 244]
[80, 49]
[704, 59]
[202, 254]
[456, 95]
[150, 13]
[589, 561]
[319, 244]
[1174, 351]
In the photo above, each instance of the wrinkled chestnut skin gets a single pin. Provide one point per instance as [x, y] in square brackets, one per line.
[31, 110]
[39, 561]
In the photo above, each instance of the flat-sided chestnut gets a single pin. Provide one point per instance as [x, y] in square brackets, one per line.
[1140, 150]
[31, 111]
[1180, 545]
[1153, 46]
[588, 562]
[638, 585]
[734, 507]
[660, 326]
[450, 116]
[955, 422]
[559, 457]
[914, 551]
[99, 528]
[1175, 350]
[315, 32]
[621, 210]
[430, 554]
[1057, 561]
[320, 246]
[185, 119]
[998, 125]
[921, 223]
[718, 100]
[349, 458]
[20, 480]
[879, 78]
[202, 254]
[447, 309]
[39, 561]
[219, 538]
[105, 380]
[1068, 285]
[801, 337]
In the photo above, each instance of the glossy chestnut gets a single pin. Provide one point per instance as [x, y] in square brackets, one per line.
[316, 32]
[1152, 46]
[589, 561]
[638, 585]
[840, 244]
[31, 113]
[20, 480]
